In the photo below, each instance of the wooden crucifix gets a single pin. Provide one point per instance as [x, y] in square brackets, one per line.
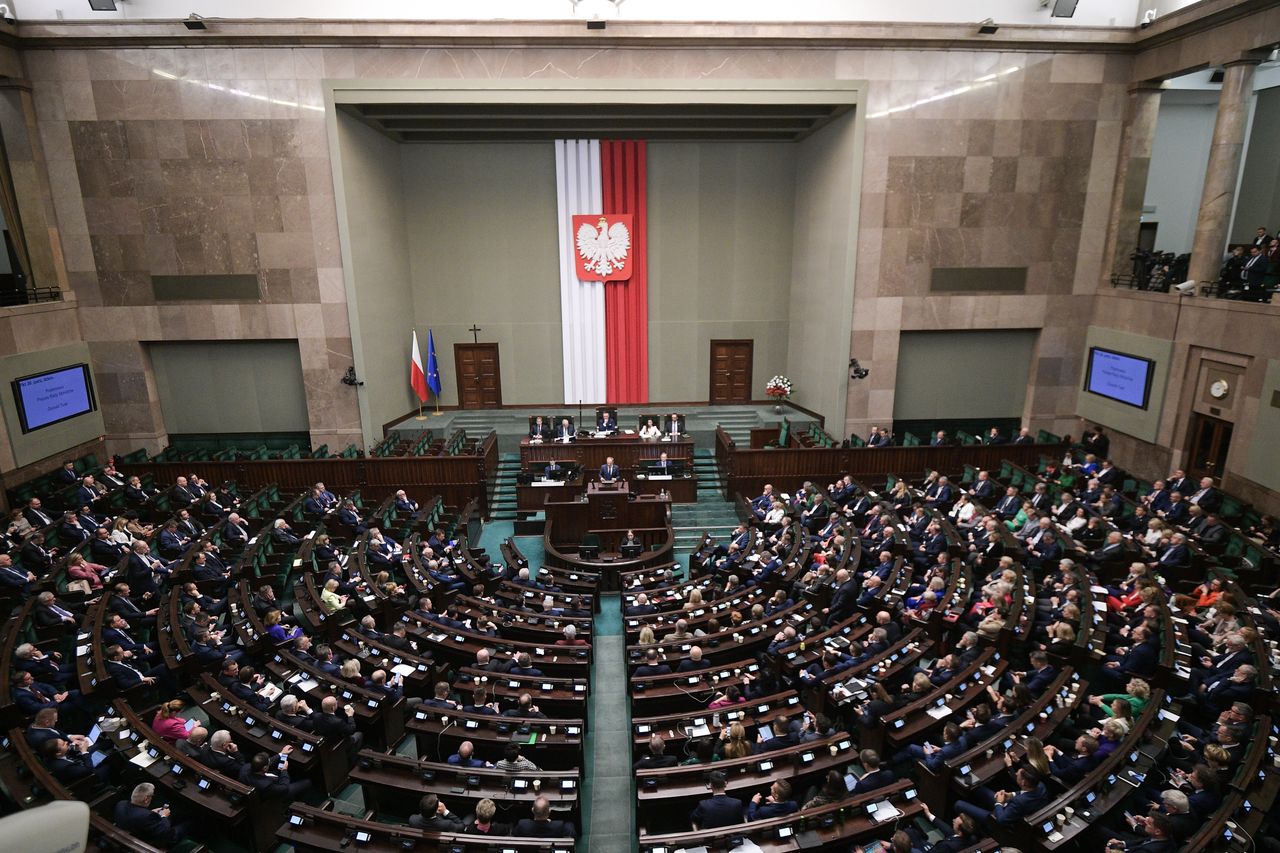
[475, 332]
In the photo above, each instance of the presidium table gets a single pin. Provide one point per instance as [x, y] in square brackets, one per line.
[629, 452]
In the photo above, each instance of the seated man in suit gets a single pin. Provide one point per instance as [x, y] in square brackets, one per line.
[223, 755]
[1207, 497]
[295, 712]
[875, 776]
[269, 776]
[15, 578]
[406, 506]
[606, 423]
[69, 766]
[777, 804]
[940, 439]
[1069, 769]
[652, 666]
[564, 432]
[149, 825]
[663, 466]
[657, 756]
[348, 515]
[674, 427]
[466, 756]
[434, 815]
[1007, 807]
[539, 430]
[330, 724]
[609, 471]
[719, 809]
[553, 471]
[541, 825]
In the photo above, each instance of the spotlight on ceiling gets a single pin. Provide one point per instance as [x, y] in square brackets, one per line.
[596, 25]
[103, 5]
[194, 22]
[1064, 8]
[988, 27]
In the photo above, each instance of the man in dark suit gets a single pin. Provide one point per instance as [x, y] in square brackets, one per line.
[67, 473]
[663, 465]
[539, 428]
[86, 493]
[273, 783]
[719, 809]
[652, 666]
[1254, 272]
[1007, 807]
[1024, 437]
[541, 825]
[314, 505]
[181, 493]
[940, 439]
[36, 516]
[553, 471]
[223, 755]
[128, 676]
[1137, 660]
[960, 834]
[875, 776]
[14, 578]
[656, 756]
[35, 557]
[328, 723]
[844, 598]
[435, 816]
[1070, 768]
[994, 437]
[564, 432]
[1206, 496]
[68, 766]
[609, 472]
[675, 426]
[1177, 555]
[149, 825]
[605, 422]
[1159, 837]
[777, 804]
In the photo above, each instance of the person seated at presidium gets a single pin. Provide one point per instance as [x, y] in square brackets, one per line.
[606, 423]
[650, 430]
[564, 432]
[539, 429]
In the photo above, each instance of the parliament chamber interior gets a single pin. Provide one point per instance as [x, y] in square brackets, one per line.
[576, 426]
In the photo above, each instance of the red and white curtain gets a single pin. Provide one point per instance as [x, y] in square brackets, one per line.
[605, 325]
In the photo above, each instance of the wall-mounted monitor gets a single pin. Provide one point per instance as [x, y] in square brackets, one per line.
[1119, 376]
[44, 399]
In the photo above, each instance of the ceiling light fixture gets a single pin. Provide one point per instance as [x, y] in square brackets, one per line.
[988, 27]
[194, 22]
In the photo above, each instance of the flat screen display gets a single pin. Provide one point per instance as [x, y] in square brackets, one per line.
[1120, 377]
[53, 396]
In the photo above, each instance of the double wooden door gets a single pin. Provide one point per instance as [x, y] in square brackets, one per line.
[1210, 443]
[479, 376]
[731, 371]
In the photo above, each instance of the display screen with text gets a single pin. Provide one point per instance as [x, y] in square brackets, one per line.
[1116, 376]
[47, 398]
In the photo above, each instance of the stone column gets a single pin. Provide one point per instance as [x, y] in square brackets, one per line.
[1218, 198]
[1131, 176]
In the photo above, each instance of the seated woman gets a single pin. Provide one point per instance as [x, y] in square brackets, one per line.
[329, 598]
[277, 630]
[351, 672]
[731, 696]
[1137, 694]
[167, 724]
[80, 569]
[650, 430]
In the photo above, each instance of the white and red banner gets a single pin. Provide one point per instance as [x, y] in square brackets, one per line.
[604, 303]
[417, 376]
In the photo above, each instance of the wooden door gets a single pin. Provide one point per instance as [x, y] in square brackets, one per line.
[479, 376]
[1210, 442]
[731, 371]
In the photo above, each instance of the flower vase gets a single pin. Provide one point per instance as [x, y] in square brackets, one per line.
[777, 408]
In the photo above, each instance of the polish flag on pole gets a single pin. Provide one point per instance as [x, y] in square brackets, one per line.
[417, 376]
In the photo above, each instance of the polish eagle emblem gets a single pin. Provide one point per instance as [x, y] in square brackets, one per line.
[603, 248]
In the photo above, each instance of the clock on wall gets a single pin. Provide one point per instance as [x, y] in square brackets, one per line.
[1219, 389]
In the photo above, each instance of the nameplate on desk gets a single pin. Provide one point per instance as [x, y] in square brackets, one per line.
[548, 483]
[660, 477]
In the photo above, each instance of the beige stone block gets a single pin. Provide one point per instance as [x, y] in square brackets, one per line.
[285, 250]
[308, 63]
[1077, 68]
[77, 100]
[336, 321]
[333, 288]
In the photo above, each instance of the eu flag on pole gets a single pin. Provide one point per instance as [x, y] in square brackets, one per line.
[433, 367]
